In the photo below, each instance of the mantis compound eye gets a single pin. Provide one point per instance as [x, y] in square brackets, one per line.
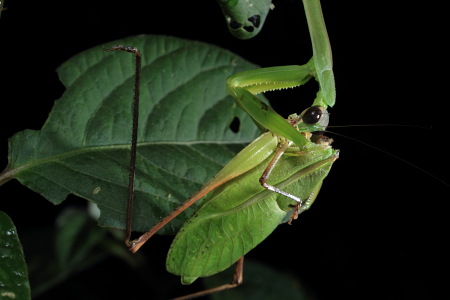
[316, 115]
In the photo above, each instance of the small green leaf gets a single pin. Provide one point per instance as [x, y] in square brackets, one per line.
[75, 238]
[184, 130]
[13, 269]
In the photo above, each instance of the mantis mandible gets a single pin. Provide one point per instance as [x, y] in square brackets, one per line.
[271, 181]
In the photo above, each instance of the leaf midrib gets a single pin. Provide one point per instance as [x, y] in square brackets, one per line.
[11, 172]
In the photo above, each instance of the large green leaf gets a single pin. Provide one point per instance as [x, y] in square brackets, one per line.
[13, 270]
[184, 129]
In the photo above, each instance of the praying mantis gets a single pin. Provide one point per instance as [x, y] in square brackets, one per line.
[271, 181]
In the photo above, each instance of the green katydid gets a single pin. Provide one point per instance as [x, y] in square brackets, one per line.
[239, 207]
[245, 18]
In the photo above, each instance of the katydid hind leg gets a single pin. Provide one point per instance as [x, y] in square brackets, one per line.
[241, 163]
[139, 242]
[136, 244]
[134, 131]
[236, 281]
[299, 208]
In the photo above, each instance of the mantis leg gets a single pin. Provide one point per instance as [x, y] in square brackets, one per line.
[265, 176]
[237, 280]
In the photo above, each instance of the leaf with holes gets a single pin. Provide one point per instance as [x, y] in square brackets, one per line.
[184, 132]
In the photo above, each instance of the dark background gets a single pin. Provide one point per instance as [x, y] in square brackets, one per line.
[379, 227]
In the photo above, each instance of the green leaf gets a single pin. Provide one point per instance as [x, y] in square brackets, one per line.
[13, 269]
[184, 129]
[75, 245]
[74, 238]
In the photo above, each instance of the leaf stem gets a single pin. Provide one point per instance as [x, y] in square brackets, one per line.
[6, 175]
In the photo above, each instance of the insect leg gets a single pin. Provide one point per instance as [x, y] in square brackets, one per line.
[237, 280]
[306, 205]
[134, 131]
[265, 176]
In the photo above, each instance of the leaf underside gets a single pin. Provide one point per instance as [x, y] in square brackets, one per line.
[184, 133]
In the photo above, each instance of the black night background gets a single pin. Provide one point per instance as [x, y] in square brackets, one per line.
[379, 228]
